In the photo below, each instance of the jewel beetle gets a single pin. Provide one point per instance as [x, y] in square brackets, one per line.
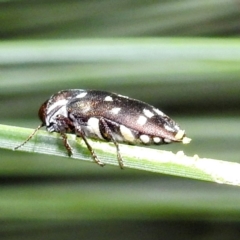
[106, 116]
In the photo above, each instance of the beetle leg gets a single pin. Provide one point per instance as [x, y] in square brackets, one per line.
[108, 133]
[94, 156]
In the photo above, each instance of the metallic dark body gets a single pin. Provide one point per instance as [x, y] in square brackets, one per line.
[107, 116]
[93, 105]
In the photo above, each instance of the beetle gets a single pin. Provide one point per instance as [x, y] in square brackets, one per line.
[106, 116]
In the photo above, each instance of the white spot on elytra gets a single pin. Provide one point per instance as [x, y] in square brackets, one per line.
[145, 138]
[158, 112]
[115, 110]
[157, 139]
[179, 134]
[177, 127]
[81, 95]
[166, 140]
[148, 113]
[141, 120]
[93, 125]
[169, 128]
[108, 99]
[127, 133]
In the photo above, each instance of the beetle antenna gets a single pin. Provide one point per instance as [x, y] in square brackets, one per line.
[30, 136]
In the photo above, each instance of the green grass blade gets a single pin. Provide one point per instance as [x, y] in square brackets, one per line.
[135, 157]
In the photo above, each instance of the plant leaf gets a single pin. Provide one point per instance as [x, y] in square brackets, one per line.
[135, 157]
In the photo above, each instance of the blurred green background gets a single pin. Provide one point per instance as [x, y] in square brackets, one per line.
[181, 56]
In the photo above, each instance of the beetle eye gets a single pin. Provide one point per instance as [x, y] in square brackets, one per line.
[42, 112]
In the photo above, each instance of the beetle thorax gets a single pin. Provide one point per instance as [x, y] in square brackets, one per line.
[55, 110]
